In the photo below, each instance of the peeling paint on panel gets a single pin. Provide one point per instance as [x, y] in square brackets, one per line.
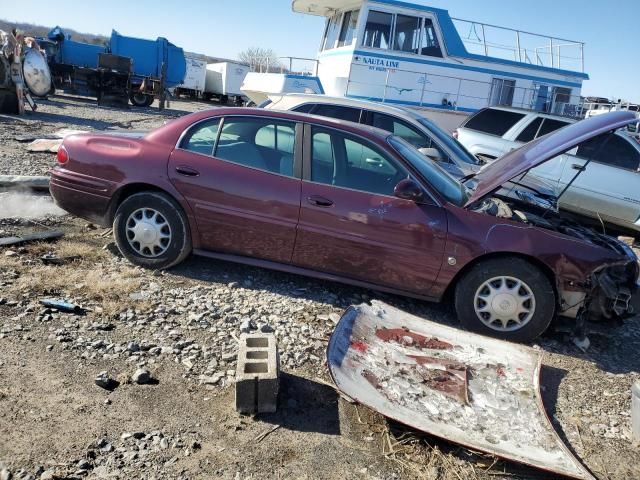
[469, 389]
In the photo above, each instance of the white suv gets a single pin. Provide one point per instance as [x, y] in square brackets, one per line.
[608, 189]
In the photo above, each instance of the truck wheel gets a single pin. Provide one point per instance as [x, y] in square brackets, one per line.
[140, 99]
[505, 298]
[152, 231]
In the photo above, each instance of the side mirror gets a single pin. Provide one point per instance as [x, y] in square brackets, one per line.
[408, 189]
[431, 153]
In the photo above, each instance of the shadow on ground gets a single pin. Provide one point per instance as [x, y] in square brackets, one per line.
[299, 396]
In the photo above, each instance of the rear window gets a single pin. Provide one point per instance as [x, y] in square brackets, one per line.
[493, 122]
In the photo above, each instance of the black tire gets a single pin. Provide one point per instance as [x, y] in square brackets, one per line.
[538, 284]
[177, 248]
[140, 99]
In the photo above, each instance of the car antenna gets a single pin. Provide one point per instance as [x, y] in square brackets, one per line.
[582, 168]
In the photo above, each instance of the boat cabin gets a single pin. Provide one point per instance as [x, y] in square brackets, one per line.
[413, 55]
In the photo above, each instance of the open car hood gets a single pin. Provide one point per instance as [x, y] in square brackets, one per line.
[466, 388]
[535, 153]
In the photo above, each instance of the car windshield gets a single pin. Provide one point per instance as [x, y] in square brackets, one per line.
[446, 185]
[461, 153]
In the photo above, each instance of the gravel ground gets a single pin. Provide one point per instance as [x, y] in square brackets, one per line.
[55, 422]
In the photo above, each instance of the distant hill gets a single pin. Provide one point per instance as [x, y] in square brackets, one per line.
[41, 31]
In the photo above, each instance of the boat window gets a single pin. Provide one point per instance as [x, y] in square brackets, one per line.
[561, 95]
[530, 132]
[261, 143]
[430, 44]
[344, 161]
[493, 121]
[348, 30]
[551, 125]
[502, 91]
[618, 152]
[377, 33]
[407, 34]
[202, 137]
[337, 111]
[331, 35]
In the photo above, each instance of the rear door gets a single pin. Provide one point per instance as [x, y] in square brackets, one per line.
[353, 226]
[241, 177]
[610, 185]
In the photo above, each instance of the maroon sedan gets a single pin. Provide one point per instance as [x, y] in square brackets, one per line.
[345, 202]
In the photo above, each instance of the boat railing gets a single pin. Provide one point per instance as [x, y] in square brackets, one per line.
[289, 65]
[459, 94]
[520, 46]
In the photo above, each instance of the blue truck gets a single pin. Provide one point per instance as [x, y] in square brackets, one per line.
[123, 69]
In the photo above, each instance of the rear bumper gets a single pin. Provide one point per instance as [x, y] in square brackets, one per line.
[81, 196]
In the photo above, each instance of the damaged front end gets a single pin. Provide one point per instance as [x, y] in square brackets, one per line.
[469, 389]
[611, 292]
[614, 293]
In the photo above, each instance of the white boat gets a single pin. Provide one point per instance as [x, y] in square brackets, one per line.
[414, 55]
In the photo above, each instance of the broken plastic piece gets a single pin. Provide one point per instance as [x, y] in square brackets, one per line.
[473, 390]
[32, 237]
[51, 259]
[63, 306]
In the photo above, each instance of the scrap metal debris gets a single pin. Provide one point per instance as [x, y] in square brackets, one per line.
[31, 237]
[51, 143]
[472, 390]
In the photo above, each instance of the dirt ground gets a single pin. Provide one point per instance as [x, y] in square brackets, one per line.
[55, 422]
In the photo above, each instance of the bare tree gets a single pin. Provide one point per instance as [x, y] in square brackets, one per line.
[261, 59]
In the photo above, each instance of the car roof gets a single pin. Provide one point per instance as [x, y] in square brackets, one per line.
[348, 102]
[167, 132]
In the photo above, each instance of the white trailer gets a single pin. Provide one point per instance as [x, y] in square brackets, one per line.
[224, 80]
[194, 77]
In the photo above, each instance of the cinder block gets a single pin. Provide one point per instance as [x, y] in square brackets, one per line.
[257, 374]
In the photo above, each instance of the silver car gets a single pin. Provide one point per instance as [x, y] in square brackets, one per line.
[601, 176]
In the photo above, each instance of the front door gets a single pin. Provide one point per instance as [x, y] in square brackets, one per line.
[237, 174]
[610, 184]
[351, 224]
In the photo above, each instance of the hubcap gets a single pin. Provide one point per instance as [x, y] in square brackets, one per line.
[504, 304]
[148, 232]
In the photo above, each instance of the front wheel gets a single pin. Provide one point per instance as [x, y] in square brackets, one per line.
[505, 298]
[151, 230]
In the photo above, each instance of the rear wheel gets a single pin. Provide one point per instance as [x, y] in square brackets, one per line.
[141, 99]
[152, 231]
[506, 298]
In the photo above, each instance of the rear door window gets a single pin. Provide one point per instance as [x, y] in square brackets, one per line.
[306, 108]
[551, 125]
[530, 132]
[261, 143]
[201, 138]
[493, 122]
[337, 111]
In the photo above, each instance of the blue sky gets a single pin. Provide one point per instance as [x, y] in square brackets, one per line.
[223, 28]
